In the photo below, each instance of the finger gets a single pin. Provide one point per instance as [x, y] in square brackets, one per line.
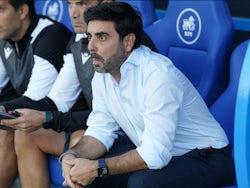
[69, 182]
[79, 186]
[11, 122]
[3, 127]
[15, 126]
[70, 162]
[11, 126]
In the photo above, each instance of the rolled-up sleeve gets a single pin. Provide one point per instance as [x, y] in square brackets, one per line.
[163, 98]
[101, 128]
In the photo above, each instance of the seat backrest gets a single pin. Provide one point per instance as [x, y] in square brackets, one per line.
[242, 121]
[224, 107]
[55, 171]
[197, 36]
[146, 9]
[55, 9]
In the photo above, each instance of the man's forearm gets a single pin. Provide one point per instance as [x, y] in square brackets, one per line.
[128, 162]
[89, 148]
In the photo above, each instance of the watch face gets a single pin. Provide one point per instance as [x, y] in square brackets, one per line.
[102, 171]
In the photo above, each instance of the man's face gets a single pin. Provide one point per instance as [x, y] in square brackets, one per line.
[10, 22]
[107, 51]
[76, 10]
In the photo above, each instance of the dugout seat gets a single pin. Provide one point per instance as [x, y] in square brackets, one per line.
[225, 109]
[197, 36]
[146, 9]
[55, 9]
[242, 119]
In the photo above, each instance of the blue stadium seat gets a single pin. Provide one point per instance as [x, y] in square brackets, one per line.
[55, 171]
[197, 36]
[242, 119]
[224, 107]
[146, 9]
[55, 9]
[58, 10]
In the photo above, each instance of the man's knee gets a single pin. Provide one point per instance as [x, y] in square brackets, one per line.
[6, 139]
[22, 139]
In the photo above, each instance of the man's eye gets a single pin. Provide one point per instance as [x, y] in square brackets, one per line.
[1, 9]
[102, 38]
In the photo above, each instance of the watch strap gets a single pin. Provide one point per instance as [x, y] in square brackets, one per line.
[102, 168]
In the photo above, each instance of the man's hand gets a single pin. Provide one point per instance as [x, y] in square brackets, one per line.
[83, 171]
[29, 120]
[66, 171]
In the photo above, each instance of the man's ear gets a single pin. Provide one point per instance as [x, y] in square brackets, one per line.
[23, 11]
[129, 42]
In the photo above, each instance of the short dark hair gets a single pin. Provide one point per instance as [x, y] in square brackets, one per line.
[126, 19]
[100, 1]
[17, 3]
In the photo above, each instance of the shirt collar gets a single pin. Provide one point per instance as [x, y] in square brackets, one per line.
[79, 36]
[133, 57]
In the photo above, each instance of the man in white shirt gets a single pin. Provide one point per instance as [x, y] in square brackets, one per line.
[172, 138]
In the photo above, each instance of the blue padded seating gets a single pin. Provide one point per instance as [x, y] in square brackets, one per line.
[242, 119]
[55, 171]
[197, 36]
[224, 108]
[146, 9]
[55, 9]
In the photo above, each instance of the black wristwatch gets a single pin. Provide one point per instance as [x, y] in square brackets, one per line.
[102, 168]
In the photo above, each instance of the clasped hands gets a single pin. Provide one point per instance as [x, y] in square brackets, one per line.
[78, 172]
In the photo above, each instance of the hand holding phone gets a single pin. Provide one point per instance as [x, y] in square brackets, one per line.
[10, 115]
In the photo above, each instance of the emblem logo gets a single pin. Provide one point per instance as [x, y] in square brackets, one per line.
[85, 57]
[7, 52]
[188, 26]
[54, 9]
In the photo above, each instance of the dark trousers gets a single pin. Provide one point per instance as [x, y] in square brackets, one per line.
[206, 168]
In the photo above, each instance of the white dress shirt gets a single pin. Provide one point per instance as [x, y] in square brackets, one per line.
[156, 106]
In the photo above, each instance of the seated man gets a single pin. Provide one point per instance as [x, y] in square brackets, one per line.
[75, 77]
[168, 128]
[31, 55]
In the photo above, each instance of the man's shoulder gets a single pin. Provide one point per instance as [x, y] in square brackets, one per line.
[48, 29]
[48, 23]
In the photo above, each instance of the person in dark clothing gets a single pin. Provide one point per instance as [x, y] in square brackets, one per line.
[31, 55]
[52, 112]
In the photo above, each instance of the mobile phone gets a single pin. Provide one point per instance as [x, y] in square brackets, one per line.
[9, 115]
